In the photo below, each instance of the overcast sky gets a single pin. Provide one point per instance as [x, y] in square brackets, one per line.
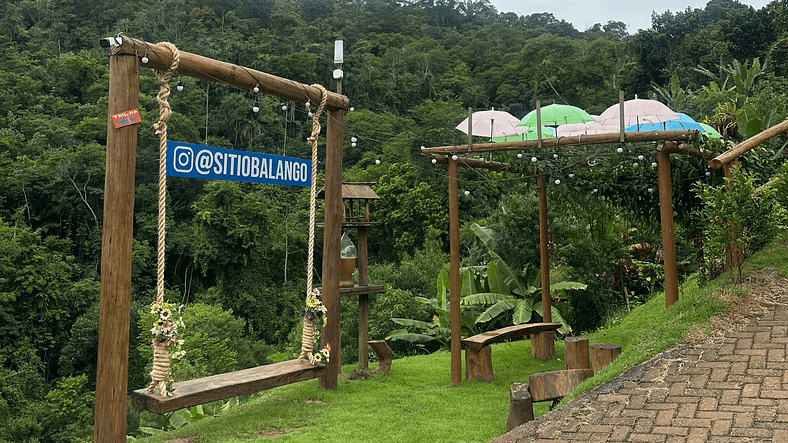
[583, 14]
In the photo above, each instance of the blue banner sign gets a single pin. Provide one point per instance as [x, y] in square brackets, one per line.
[198, 161]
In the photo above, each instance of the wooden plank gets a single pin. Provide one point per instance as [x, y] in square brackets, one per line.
[579, 140]
[668, 232]
[204, 68]
[223, 386]
[115, 297]
[556, 384]
[361, 290]
[478, 341]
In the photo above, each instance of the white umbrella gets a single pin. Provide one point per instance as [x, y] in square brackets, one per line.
[493, 124]
[585, 128]
[636, 112]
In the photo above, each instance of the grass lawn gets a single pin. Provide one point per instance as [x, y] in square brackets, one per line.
[415, 402]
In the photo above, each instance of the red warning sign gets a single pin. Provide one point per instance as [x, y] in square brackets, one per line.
[126, 118]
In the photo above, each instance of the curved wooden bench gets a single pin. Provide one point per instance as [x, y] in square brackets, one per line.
[478, 355]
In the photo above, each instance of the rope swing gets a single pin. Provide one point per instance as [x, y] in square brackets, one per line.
[165, 328]
[314, 307]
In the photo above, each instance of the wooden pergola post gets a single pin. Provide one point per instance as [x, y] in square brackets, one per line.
[115, 302]
[454, 276]
[543, 343]
[363, 299]
[668, 232]
[332, 234]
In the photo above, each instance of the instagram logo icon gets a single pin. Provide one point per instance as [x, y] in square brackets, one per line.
[183, 159]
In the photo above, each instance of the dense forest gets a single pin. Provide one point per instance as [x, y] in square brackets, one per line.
[236, 252]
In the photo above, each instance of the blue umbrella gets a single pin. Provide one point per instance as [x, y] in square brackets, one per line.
[684, 123]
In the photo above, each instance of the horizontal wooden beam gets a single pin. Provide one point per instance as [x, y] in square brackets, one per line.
[743, 147]
[204, 68]
[579, 140]
[223, 386]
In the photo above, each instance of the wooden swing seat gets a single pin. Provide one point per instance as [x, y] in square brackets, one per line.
[223, 386]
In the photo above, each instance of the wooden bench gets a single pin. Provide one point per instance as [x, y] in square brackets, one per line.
[223, 386]
[478, 355]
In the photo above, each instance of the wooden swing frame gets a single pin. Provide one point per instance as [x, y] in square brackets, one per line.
[125, 60]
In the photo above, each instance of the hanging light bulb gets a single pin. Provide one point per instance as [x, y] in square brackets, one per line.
[256, 107]
[308, 104]
[353, 145]
[571, 175]
[353, 139]
[145, 59]
[555, 155]
[653, 164]
[620, 150]
[557, 181]
[467, 193]
[434, 161]
[352, 109]
[640, 157]
[422, 147]
[520, 154]
[594, 191]
[256, 88]
[377, 160]
[534, 159]
[180, 85]
[708, 174]
[454, 157]
[635, 165]
[650, 190]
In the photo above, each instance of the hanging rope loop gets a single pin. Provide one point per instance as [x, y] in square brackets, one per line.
[307, 338]
[161, 347]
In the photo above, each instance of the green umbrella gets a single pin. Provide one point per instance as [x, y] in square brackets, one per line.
[555, 114]
[711, 132]
[530, 134]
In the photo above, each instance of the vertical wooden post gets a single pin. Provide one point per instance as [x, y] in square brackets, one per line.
[454, 276]
[734, 255]
[363, 299]
[621, 120]
[546, 349]
[470, 129]
[539, 123]
[115, 301]
[668, 233]
[332, 234]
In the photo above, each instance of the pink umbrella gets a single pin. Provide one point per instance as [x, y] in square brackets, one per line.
[493, 124]
[637, 112]
[585, 128]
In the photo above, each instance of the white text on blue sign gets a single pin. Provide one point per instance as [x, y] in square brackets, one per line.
[208, 162]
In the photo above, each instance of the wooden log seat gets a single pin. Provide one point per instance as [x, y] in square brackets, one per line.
[556, 384]
[521, 408]
[223, 386]
[478, 355]
[385, 355]
[602, 354]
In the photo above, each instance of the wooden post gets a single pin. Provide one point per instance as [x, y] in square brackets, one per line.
[332, 234]
[539, 123]
[668, 233]
[734, 255]
[454, 277]
[521, 408]
[621, 119]
[115, 298]
[363, 299]
[576, 353]
[470, 129]
[602, 354]
[543, 343]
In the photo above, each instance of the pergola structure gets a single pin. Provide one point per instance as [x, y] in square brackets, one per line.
[126, 56]
[667, 142]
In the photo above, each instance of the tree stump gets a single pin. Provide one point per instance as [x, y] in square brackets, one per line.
[520, 406]
[543, 345]
[385, 355]
[576, 353]
[603, 354]
[478, 365]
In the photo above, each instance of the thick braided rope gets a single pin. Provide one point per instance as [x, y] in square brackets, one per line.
[307, 341]
[161, 350]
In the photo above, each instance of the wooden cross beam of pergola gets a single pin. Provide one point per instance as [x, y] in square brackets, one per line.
[669, 142]
[125, 60]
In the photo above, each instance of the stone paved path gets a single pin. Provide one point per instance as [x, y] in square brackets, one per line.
[730, 388]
